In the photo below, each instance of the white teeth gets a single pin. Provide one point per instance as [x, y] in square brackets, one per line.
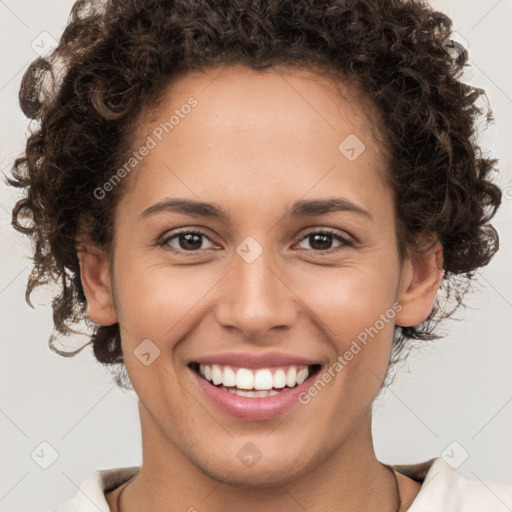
[263, 382]
[244, 379]
[216, 374]
[279, 380]
[302, 375]
[263, 379]
[228, 377]
[291, 377]
[252, 394]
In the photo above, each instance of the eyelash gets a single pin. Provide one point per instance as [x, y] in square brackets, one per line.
[345, 241]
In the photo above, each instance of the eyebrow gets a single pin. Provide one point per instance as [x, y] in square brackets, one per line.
[299, 209]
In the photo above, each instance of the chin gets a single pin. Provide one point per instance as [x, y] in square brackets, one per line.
[263, 474]
[252, 478]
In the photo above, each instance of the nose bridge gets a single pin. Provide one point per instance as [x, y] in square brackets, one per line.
[255, 298]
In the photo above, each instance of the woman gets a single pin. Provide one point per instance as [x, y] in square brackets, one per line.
[188, 153]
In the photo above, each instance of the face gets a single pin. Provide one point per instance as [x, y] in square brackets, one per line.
[282, 282]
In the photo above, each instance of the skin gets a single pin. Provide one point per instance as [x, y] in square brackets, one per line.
[256, 143]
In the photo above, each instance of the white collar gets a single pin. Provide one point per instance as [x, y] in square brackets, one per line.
[443, 489]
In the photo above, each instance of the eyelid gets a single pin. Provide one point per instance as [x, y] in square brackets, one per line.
[342, 236]
[345, 239]
[173, 233]
[331, 231]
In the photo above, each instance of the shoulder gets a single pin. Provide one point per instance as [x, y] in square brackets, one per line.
[93, 488]
[444, 489]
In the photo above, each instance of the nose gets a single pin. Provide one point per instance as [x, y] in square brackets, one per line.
[256, 297]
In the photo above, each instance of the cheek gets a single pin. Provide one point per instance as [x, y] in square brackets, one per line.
[356, 308]
[156, 301]
[351, 298]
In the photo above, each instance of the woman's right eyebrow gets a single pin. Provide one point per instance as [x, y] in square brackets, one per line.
[188, 207]
[302, 208]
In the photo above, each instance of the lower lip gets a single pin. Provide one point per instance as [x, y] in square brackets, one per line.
[251, 408]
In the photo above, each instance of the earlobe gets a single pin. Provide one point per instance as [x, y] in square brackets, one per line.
[97, 284]
[421, 278]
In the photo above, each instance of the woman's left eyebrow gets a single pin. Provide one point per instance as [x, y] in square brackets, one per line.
[302, 208]
[305, 208]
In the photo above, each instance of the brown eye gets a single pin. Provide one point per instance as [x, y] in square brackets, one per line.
[320, 241]
[186, 241]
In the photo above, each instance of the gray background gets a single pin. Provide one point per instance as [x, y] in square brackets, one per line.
[459, 389]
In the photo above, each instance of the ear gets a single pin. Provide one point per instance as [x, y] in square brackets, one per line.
[421, 276]
[96, 282]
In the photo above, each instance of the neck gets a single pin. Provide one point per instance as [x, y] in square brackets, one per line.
[350, 478]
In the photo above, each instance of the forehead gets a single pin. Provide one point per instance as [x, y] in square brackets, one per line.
[281, 130]
[236, 97]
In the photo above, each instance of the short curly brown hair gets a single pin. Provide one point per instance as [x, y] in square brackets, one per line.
[116, 57]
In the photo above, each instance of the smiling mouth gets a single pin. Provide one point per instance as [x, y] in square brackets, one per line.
[255, 383]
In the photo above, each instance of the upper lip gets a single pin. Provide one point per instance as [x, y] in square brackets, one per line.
[250, 360]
